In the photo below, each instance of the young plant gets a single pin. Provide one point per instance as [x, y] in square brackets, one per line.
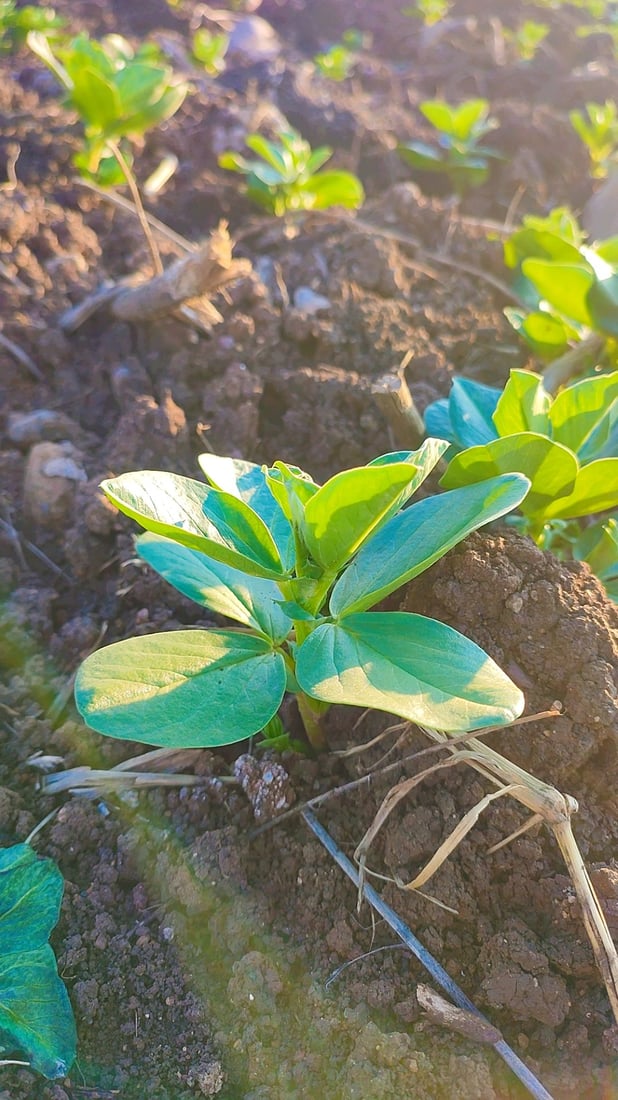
[598, 129]
[459, 154]
[210, 50]
[298, 565]
[36, 1018]
[286, 176]
[566, 446]
[119, 94]
[526, 38]
[430, 11]
[337, 62]
[571, 288]
[16, 23]
[598, 545]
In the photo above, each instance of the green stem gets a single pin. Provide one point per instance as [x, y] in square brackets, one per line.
[311, 721]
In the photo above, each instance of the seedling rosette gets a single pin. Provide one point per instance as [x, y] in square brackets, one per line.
[298, 566]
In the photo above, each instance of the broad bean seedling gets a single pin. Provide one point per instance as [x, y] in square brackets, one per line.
[298, 566]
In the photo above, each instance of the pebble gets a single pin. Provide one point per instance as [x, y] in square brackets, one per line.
[255, 39]
[24, 429]
[306, 299]
[53, 471]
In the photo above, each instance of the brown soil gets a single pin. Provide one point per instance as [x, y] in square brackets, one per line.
[196, 954]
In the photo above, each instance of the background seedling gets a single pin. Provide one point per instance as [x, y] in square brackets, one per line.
[286, 175]
[119, 95]
[525, 39]
[598, 129]
[572, 292]
[459, 154]
[298, 566]
[430, 11]
[210, 50]
[16, 24]
[338, 61]
[36, 1018]
[567, 447]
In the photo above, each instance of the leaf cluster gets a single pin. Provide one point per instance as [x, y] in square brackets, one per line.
[16, 23]
[566, 446]
[526, 38]
[571, 288]
[298, 566]
[598, 129]
[36, 1018]
[286, 175]
[430, 11]
[458, 154]
[210, 49]
[117, 92]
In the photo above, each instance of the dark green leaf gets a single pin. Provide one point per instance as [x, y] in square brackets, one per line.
[471, 408]
[253, 601]
[184, 689]
[551, 468]
[35, 1011]
[411, 541]
[408, 665]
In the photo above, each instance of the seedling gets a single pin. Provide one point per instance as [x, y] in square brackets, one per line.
[459, 155]
[337, 62]
[598, 129]
[36, 1018]
[286, 176]
[567, 447]
[210, 50]
[526, 38]
[118, 94]
[16, 23]
[598, 545]
[571, 288]
[298, 565]
[430, 11]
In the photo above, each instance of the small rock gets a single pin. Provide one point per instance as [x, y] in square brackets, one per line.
[266, 784]
[42, 425]
[53, 471]
[306, 299]
[254, 39]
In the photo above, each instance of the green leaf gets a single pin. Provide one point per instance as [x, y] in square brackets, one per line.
[547, 334]
[425, 459]
[564, 286]
[247, 481]
[598, 545]
[417, 537]
[595, 490]
[603, 304]
[291, 488]
[96, 99]
[253, 601]
[438, 421]
[184, 689]
[422, 156]
[578, 409]
[523, 406]
[345, 511]
[471, 409]
[335, 188]
[551, 468]
[242, 529]
[35, 1012]
[408, 665]
[173, 506]
[534, 242]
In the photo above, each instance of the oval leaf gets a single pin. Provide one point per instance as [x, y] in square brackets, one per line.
[411, 542]
[247, 481]
[344, 512]
[35, 1011]
[578, 409]
[471, 409]
[564, 286]
[551, 468]
[173, 506]
[595, 490]
[185, 689]
[408, 665]
[253, 601]
[523, 405]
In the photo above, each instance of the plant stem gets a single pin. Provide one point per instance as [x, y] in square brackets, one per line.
[125, 168]
[311, 722]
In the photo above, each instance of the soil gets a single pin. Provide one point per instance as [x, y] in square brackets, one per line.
[196, 951]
